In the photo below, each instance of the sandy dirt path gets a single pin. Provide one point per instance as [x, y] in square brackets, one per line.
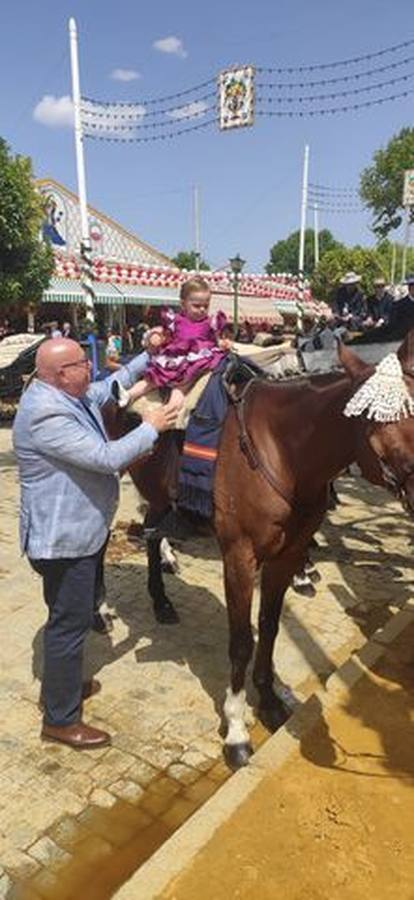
[336, 821]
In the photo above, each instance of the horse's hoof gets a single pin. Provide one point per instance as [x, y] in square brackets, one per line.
[237, 755]
[314, 576]
[169, 568]
[273, 717]
[166, 613]
[305, 589]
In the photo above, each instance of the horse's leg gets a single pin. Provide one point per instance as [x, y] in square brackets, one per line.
[274, 582]
[239, 569]
[276, 577]
[164, 611]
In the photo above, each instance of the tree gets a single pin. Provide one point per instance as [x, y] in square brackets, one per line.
[386, 250]
[284, 255]
[25, 263]
[382, 183]
[187, 259]
[365, 261]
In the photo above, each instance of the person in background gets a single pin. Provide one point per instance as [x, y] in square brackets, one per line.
[402, 313]
[113, 349]
[55, 331]
[401, 318]
[379, 305]
[349, 307]
[127, 342]
[68, 331]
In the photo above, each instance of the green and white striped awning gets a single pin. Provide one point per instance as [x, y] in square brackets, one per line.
[286, 306]
[142, 295]
[65, 290]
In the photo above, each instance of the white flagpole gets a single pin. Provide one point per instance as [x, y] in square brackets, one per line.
[301, 273]
[406, 243]
[303, 211]
[85, 247]
[316, 234]
[196, 208]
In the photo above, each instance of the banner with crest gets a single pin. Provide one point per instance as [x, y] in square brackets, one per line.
[236, 97]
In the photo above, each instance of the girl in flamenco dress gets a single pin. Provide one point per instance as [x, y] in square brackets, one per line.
[187, 345]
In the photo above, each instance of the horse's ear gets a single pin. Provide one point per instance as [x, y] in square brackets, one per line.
[353, 364]
[406, 351]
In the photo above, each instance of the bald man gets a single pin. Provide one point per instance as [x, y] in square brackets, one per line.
[69, 493]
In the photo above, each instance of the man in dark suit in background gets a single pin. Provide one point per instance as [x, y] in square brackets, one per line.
[379, 305]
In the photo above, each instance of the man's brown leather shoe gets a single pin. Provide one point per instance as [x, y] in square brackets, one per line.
[79, 736]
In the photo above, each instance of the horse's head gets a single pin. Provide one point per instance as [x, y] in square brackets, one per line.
[383, 400]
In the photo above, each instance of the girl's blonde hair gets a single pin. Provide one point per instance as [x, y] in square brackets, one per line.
[197, 283]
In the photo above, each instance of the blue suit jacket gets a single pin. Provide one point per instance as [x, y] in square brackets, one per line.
[68, 467]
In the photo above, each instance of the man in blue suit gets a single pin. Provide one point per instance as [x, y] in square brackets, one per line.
[69, 493]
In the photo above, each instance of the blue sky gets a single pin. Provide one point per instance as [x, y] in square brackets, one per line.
[249, 180]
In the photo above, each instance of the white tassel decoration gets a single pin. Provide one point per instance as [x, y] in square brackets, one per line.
[384, 397]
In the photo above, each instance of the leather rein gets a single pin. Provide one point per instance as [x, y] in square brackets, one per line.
[249, 449]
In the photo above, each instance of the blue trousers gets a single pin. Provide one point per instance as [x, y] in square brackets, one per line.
[72, 589]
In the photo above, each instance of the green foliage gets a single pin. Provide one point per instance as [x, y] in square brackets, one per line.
[369, 263]
[25, 263]
[386, 250]
[187, 259]
[285, 254]
[382, 183]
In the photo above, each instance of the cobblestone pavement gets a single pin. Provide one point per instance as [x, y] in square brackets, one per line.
[77, 825]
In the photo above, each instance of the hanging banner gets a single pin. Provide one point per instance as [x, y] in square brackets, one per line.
[236, 97]
[408, 197]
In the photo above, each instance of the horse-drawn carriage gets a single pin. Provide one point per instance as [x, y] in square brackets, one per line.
[17, 361]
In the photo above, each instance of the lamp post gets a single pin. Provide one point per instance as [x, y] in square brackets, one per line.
[236, 265]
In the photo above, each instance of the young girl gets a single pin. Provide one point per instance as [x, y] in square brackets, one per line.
[187, 345]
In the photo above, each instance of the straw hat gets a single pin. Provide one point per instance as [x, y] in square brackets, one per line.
[350, 278]
[379, 282]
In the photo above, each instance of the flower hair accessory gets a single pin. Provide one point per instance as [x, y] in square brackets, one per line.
[384, 397]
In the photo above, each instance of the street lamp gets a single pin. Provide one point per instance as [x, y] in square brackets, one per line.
[236, 265]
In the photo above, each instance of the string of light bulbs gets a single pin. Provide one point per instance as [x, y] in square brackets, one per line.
[307, 98]
[301, 113]
[352, 76]
[196, 107]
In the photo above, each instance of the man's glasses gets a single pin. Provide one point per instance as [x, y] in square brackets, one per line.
[79, 362]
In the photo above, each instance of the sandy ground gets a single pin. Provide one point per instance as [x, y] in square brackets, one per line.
[336, 821]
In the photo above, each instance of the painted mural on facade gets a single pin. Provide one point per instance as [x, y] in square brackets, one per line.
[108, 239]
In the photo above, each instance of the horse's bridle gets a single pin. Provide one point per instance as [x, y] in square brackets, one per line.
[249, 449]
[395, 483]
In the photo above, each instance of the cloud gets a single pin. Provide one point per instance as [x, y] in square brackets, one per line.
[111, 119]
[125, 75]
[55, 112]
[172, 45]
[189, 111]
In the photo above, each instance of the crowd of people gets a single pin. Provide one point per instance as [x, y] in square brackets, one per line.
[381, 316]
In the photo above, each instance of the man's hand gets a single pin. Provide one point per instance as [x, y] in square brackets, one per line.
[154, 339]
[162, 419]
[225, 343]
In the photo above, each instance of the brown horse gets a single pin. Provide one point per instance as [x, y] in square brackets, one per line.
[270, 495]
